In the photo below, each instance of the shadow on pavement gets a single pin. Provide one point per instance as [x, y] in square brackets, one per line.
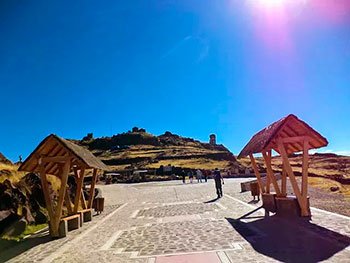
[287, 240]
[211, 201]
[10, 249]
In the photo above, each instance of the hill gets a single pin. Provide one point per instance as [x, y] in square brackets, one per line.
[4, 160]
[328, 165]
[140, 149]
[329, 172]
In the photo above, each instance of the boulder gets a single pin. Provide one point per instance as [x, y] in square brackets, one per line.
[7, 217]
[40, 217]
[16, 228]
[334, 188]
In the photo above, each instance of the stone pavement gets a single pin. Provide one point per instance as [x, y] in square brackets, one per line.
[172, 222]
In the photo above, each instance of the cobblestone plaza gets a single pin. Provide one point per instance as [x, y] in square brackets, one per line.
[172, 222]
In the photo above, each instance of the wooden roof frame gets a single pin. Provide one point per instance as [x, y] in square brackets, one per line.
[290, 128]
[58, 157]
[286, 136]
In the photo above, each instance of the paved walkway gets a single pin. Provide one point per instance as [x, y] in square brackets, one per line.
[172, 222]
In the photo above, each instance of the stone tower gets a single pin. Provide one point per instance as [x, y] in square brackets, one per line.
[212, 139]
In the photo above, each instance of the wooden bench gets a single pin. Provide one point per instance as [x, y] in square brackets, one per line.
[85, 215]
[68, 223]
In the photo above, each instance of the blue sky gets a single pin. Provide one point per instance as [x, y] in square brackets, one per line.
[190, 67]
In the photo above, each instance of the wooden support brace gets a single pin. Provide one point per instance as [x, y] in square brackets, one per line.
[291, 176]
[304, 182]
[257, 173]
[270, 173]
[284, 182]
[80, 181]
[92, 188]
[45, 186]
[64, 178]
[83, 201]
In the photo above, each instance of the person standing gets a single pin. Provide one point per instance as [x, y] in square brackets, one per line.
[190, 175]
[183, 174]
[205, 172]
[218, 179]
[199, 175]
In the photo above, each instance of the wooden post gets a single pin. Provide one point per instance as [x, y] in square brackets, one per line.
[270, 174]
[45, 186]
[62, 191]
[268, 184]
[284, 181]
[304, 182]
[92, 188]
[291, 176]
[257, 173]
[83, 201]
[80, 180]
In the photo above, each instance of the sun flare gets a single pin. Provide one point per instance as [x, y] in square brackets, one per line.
[270, 3]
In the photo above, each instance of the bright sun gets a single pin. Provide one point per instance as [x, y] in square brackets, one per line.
[271, 3]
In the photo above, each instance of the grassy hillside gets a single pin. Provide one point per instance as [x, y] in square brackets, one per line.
[143, 150]
[325, 170]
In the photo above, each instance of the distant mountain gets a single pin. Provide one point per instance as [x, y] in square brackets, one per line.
[140, 149]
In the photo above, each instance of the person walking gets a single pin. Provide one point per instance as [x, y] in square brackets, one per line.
[205, 172]
[183, 174]
[218, 179]
[199, 175]
[190, 176]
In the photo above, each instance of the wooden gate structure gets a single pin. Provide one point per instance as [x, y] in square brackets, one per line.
[59, 157]
[286, 136]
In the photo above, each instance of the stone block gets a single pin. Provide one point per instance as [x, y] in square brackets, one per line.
[73, 223]
[269, 203]
[62, 229]
[289, 207]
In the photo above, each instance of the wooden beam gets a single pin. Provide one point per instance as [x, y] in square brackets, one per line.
[293, 134]
[268, 184]
[83, 201]
[92, 187]
[257, 173]
[54, 152]
[270, 174]
[291, 176]
[52, 166]
[45, 187]
[68, 202]
[284, 182]
[304, 182]
[294, 148]
[295, 139]
[80, 181]
[62, 192]
[54, 159]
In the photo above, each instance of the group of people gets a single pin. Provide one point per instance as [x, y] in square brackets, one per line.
[200, 174]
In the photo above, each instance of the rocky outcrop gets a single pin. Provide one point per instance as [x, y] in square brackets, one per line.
[21, 203]
[4, 160]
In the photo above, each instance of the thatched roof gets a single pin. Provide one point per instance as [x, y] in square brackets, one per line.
[286, 127]
[53, 146]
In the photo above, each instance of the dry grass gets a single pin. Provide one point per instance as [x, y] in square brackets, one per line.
[326, 184]
[14, 176]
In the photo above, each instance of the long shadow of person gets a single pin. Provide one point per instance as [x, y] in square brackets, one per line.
[211, 201]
